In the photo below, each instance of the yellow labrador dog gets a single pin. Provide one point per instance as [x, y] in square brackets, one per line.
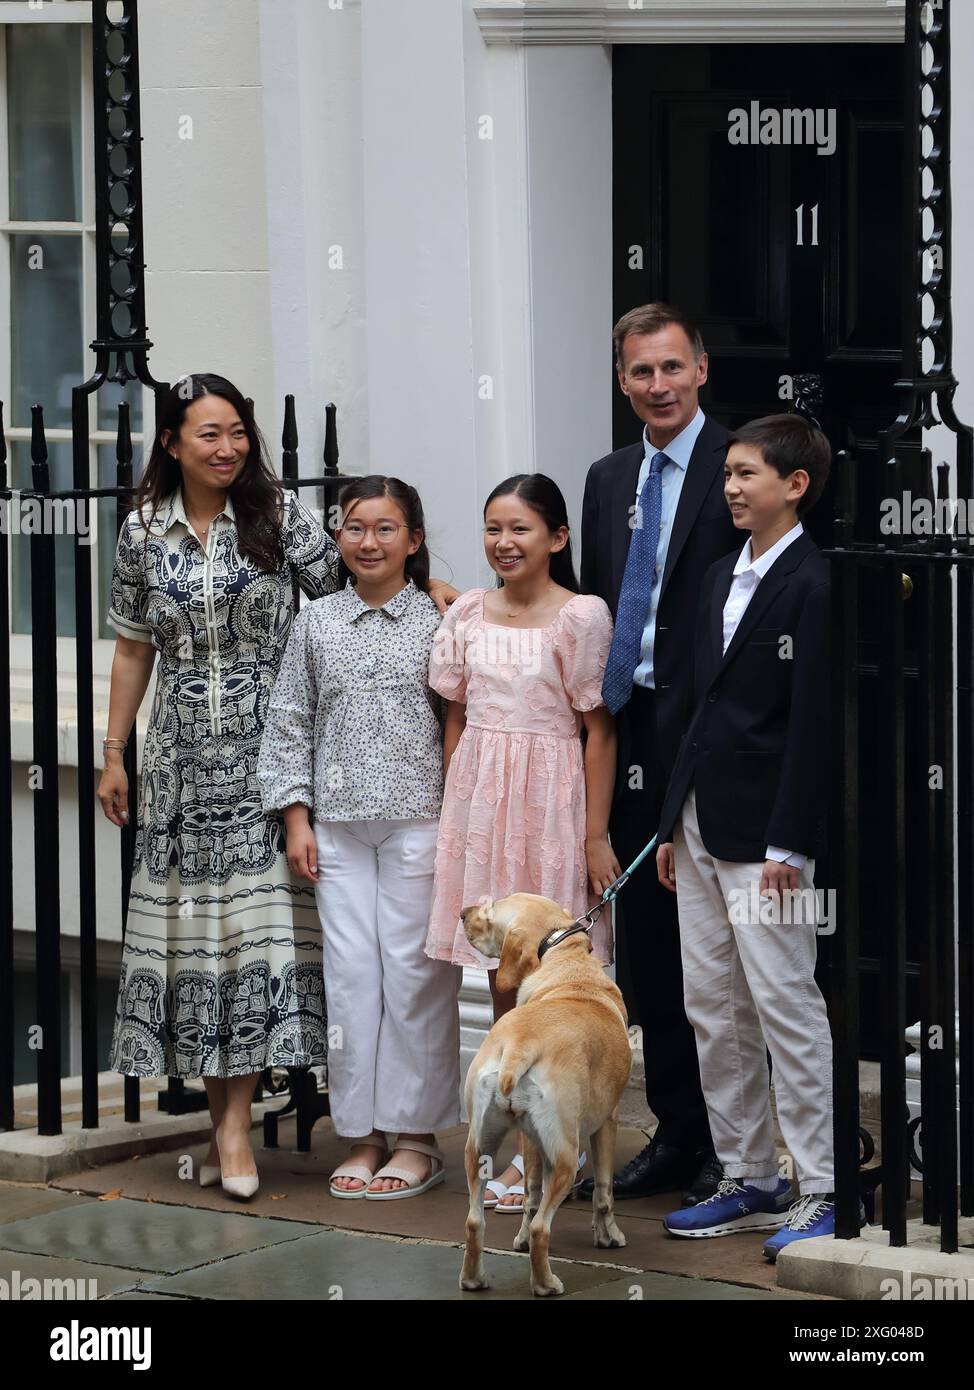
[555, 1067]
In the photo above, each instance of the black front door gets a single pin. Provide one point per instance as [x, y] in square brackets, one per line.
[759, 187]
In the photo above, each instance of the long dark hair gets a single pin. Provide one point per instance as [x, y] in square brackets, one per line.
[256, 494]
[544, 496]
[406, 498]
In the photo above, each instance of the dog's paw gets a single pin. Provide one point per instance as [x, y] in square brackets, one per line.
[521, 1243]
[475, 1284]
[609, 1239]
[548, 1290]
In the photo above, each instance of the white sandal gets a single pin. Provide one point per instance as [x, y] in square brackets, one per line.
[516, 1187]
[360, 1171]
[499, 1190]
[517, 1208]
[415, 1187]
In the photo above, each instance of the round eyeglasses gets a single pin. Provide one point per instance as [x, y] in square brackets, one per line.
[385, 533]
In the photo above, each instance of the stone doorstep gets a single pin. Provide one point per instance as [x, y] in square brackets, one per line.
[26, 1156]
[857, 1269]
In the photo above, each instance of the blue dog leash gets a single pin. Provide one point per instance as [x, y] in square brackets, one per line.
[586, 922]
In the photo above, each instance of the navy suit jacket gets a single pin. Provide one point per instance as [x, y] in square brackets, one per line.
[702, 532]
[757, 749]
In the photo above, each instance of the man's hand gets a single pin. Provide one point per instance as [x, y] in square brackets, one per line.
[443, 594]
[666, 866]
[777, 877]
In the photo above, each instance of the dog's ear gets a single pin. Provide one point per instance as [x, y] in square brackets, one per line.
[519, 957]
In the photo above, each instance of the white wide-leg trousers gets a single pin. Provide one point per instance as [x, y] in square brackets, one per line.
[748, 984]
[393, 1018]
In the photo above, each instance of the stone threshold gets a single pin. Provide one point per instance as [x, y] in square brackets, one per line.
[871, 1269]
[26, 1156]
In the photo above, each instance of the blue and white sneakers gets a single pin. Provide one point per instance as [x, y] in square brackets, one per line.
[809, 1216]
[733, 1207]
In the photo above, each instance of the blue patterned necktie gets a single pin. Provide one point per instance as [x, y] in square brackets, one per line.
[637, 587]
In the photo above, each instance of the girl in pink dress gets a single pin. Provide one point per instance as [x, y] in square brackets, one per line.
[526, 802]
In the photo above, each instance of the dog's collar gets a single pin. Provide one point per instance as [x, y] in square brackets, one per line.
[556, 937]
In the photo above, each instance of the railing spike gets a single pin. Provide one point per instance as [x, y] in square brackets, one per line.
[289, 440]
[330, 452]
[38, 450]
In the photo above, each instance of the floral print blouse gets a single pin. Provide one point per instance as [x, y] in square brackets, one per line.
[354, 729]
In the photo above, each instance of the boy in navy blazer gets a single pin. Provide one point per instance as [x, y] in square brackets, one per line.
[742, 823]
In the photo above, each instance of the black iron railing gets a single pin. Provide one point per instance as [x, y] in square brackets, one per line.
[121, 348]
[46, 791]
[871, 583]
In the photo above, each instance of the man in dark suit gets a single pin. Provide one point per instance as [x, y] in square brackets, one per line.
[654, 520]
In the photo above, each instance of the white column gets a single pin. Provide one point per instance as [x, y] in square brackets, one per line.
[569, 169]
[416, 254]
[310, 70]
[207, 283]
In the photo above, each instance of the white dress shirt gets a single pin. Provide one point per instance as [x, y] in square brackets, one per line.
[678, 452]
[747, 576]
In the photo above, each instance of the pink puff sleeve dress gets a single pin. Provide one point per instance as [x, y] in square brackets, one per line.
[513, 818]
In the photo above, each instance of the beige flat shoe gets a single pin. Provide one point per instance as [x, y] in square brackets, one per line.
[415, 1187]
[361, 1171]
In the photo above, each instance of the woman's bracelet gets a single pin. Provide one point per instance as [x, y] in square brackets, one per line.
[120, 743]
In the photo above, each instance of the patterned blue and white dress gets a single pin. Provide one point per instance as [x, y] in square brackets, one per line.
[221, 964]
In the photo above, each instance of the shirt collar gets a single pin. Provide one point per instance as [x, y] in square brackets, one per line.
[174, 509]
[678, 450]
[763, 563]
[351, 606]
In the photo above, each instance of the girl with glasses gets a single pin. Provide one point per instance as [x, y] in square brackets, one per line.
[353, 755]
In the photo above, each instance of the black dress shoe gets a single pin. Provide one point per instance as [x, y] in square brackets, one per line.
[659, 1167]
[705, 1183]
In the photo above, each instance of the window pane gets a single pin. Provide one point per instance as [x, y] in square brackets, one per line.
[25, 1015]
[46, 335]
[44, 120]
[109, 396]
[61, 519]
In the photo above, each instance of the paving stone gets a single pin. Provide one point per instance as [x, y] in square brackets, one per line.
[138, 1295]
[17, 1266]
[19, 1201]
[145, 1235]
[341, 1265]
[668, 1288]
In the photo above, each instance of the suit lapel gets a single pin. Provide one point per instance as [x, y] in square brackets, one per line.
[707, 457]
[624, 482]
[776, 579]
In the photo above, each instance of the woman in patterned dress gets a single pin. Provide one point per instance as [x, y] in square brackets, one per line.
[221, 964]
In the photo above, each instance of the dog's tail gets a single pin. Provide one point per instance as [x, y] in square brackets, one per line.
[515, 1060]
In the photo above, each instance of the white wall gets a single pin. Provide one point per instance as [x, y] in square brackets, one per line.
[420, 352]
[321, 133]
[569, 127]
[465, 334]
[310, 57]
[207, 280]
